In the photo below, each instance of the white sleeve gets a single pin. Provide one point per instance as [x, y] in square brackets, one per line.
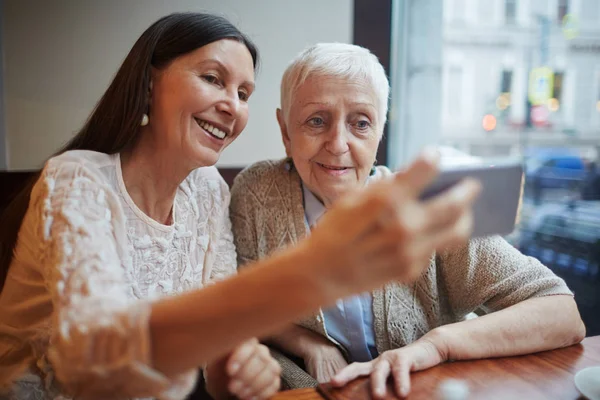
[100, 343]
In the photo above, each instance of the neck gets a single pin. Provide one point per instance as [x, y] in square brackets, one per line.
[151, 178]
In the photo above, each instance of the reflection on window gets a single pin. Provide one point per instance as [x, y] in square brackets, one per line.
[563, 9]
[510, 11]
[598, 93]
[506, 83]
[454, 94]
[557, 89]
[459, 8]
[486, 88]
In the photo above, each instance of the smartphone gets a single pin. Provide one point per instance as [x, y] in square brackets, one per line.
[495, 210]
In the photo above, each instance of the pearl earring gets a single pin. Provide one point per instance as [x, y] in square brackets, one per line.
[145, 120]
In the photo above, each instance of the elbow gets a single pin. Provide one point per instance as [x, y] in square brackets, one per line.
[577, 331]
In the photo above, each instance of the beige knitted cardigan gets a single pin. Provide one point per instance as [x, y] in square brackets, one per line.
[267, 212]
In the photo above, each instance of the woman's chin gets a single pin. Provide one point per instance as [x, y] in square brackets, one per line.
[205, 158]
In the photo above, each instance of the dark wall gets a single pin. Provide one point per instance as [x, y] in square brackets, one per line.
[373, 30]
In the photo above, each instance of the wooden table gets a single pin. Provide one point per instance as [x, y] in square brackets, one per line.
[546, 375]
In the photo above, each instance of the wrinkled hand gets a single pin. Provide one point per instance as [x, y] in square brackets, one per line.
[323, 362]
[399, 363]
[252, 372]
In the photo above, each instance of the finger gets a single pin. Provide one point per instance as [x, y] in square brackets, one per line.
[420, 173]
[457, 235]
[401, 374]
[379, 376]
[260, 383]
[240, 356]
[246, 376]
[331, 368]
[271, 390]
[258, 360]
[352, 372]
[446, 208]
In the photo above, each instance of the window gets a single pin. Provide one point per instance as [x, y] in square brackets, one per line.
[454, 92]
[468, 92]
[506, 82]
[598, 91]
[557, 89]
[563, 9]
[459, 11]
[510, 11]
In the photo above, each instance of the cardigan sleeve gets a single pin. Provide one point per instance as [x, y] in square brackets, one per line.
[489, 273]
[243, 220]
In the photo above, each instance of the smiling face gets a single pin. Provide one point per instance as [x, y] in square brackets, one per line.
[199, 102]
[332, 133]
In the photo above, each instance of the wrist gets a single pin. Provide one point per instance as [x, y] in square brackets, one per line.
[439, 339]
[313, 348]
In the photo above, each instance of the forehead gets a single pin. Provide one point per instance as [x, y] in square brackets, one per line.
[334, 90]
[226, 53]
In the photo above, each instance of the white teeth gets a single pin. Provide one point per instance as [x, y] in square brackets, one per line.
[211, 129]
[334, 168]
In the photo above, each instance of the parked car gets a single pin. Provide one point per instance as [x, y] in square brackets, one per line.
[553, 171]
[565, 236]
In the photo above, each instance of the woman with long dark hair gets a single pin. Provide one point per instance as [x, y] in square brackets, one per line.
[104, 255]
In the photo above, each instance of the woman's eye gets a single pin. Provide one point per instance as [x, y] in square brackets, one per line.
[363, 124]
[210, 79]
[316, 121]
[243, 96]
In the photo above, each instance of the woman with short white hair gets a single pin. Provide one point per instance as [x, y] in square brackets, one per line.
[333, 110]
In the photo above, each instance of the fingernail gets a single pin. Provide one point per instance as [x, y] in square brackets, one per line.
[380, 392]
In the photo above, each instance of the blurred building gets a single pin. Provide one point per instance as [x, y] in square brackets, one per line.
[490, 48]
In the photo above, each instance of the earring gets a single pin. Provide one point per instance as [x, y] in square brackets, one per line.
[373, 171]
[289, 164]
[145, 120]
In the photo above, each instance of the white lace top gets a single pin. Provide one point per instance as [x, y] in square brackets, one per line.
[74, 310]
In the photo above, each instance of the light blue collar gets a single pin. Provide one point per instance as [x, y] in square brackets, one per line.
[313, 208]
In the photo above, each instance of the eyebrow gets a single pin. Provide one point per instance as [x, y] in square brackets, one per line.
[222, 66]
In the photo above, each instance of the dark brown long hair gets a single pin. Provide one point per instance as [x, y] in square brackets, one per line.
[114, 124]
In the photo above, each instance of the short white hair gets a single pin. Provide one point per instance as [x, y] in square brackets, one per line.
[339, 60]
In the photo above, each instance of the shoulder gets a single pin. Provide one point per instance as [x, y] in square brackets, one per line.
[488, 253]
[90, 160]
[206, 181]
[259, 176]
[76, 167]
[73, 185]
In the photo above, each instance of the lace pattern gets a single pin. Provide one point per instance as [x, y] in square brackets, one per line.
[101, 261]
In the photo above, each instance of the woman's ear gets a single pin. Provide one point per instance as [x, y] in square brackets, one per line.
[284, 132]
